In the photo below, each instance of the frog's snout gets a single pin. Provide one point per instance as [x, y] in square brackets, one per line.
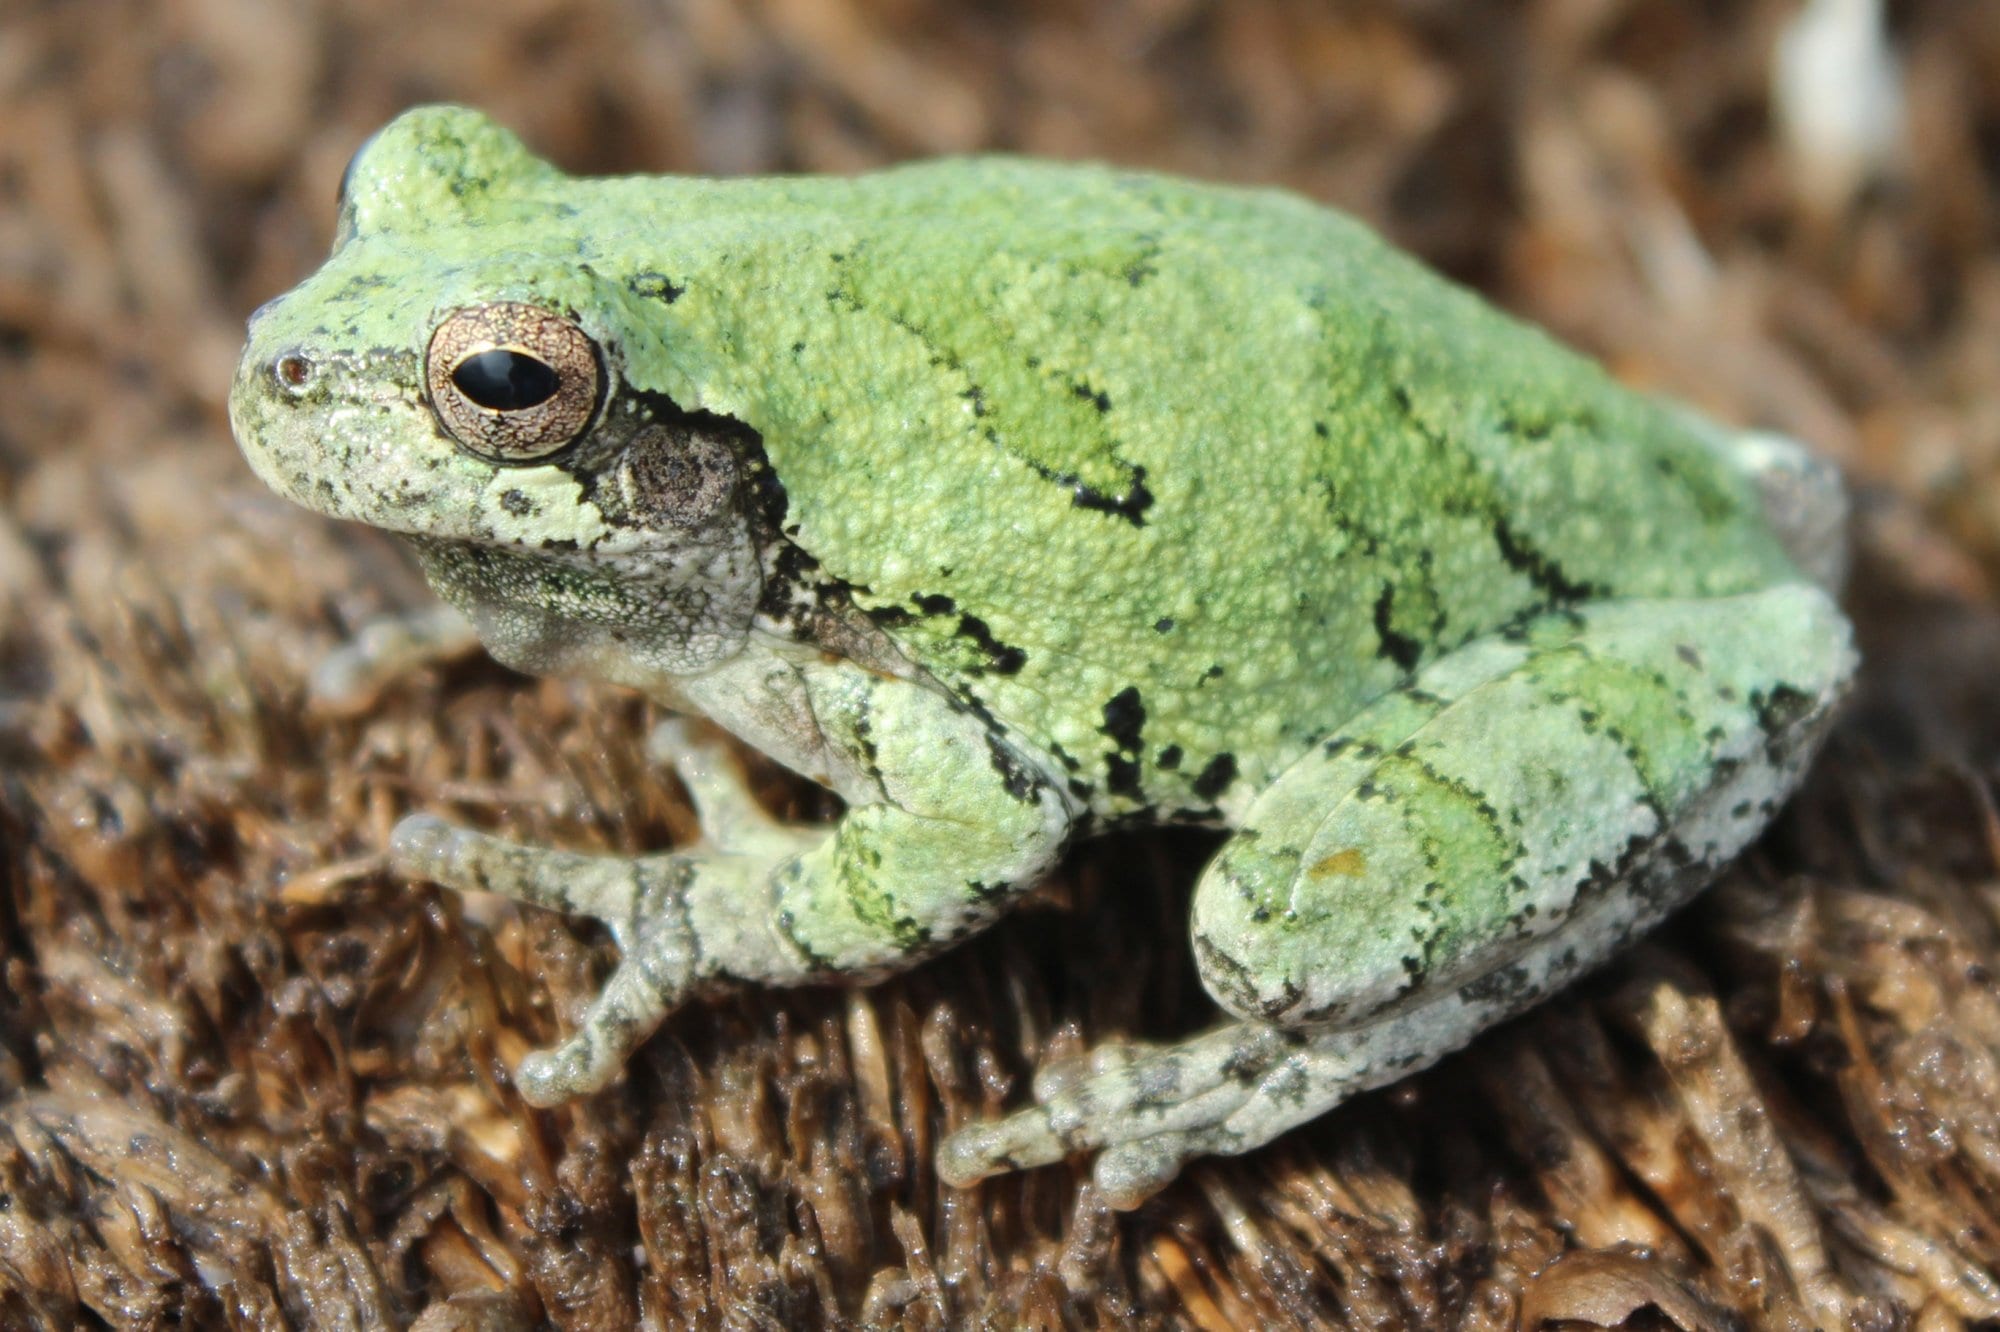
[271, 361]
[289, 371]
[257, 315]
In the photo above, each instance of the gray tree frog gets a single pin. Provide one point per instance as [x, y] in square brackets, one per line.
[1014, 501]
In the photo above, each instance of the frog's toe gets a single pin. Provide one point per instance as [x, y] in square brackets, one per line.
[1145, 1110]
[1131, 1172]
[632, 1003]
[549, 1077]
[1059, 1075]
[423, 846]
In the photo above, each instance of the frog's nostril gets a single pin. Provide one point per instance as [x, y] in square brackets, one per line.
[293, 370]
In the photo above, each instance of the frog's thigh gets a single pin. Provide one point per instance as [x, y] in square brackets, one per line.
[1529, 800]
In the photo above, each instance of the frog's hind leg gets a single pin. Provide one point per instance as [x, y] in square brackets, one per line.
[1465, 846]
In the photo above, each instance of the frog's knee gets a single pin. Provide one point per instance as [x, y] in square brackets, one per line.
[1273, 945]
[1804, 501]
[1251, 978]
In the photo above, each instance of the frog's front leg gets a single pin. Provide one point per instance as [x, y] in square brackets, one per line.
[948, 818]
[1466, 845]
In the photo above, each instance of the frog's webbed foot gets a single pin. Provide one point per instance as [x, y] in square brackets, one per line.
[1147, 1110]
[1107, 1056]
[348, 679]
[642, 902]
[641, 992]
[678, 917]
[963, 822]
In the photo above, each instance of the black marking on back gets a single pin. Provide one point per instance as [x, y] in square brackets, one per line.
[1125, 718]
[1131, 506]
[1002, 658]
[1397, 647]
[1097, 398]
[656, 287]
[1125, 724]
[1780, 709]
[1779, 713]
[891, 617]
[1016, 778]
[999, 658]
[1216, 777]
[1538, 568]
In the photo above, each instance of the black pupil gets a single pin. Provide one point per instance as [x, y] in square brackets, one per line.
[505, 381]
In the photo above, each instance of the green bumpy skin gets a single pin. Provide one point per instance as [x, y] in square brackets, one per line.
[1012, 499]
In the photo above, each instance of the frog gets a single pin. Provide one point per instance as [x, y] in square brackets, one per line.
[1014, 502]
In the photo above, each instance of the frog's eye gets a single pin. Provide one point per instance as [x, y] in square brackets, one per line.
[512, 382]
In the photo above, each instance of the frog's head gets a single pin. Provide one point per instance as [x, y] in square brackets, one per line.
[456, 370]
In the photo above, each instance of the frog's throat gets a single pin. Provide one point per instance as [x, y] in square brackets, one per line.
[649, 618]
[637, 617]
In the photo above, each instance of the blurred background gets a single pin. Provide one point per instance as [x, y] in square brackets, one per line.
[250, 1081]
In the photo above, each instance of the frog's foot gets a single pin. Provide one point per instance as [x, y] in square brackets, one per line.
[1107, 1056]
[641, 900]
[348, 679]
[679, 919]
[1147, 1110]
[962, 823]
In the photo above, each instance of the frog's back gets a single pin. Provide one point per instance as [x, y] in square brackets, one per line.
[1173, 477]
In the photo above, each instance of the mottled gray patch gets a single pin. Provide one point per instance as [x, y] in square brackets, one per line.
[676, 475]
